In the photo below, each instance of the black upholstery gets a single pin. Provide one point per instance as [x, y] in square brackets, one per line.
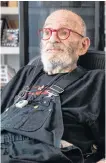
[91, 60]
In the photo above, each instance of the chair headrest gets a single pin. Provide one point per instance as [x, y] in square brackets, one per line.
[92, 60]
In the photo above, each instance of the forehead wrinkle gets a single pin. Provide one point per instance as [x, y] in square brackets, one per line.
[71, 24]
[67, 22]
[61, 25]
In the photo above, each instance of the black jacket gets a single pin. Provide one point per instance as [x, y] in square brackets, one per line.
[82, 104]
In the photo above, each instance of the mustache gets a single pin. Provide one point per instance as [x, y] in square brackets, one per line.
[52, 46]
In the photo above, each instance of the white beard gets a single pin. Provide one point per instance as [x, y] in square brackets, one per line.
[56, 65]
[48, 67]
[58, 62]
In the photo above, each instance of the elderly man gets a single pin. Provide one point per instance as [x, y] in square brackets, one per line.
[54, 112]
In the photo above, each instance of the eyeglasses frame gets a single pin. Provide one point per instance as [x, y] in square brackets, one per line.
[56, 30]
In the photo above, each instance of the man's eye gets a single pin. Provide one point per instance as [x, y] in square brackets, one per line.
[46, 32]
[63, 32]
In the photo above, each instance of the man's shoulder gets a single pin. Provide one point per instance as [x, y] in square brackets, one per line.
[30, 68]
[97, 74]
[94, 72]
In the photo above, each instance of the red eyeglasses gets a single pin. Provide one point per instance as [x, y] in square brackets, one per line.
[62, 33]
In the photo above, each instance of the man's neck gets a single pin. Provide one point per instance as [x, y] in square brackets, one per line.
[60, 70]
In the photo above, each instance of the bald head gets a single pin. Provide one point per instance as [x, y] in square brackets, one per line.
[68, 18]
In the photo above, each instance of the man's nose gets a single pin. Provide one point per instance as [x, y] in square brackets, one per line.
[54, 37]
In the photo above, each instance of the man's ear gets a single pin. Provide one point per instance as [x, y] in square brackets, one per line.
[85, 43]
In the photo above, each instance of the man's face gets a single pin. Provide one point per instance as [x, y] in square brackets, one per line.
[56, 52]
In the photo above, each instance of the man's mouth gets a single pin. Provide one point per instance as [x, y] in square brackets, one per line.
[54, 50]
